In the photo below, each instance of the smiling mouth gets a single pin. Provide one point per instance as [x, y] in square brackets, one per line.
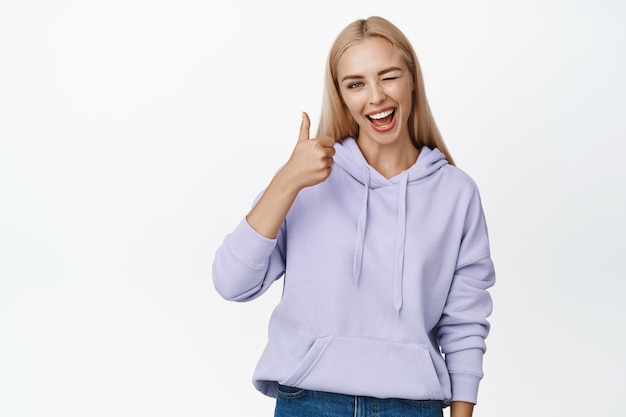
[382, 119]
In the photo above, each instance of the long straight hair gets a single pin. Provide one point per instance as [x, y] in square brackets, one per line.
[336, 120]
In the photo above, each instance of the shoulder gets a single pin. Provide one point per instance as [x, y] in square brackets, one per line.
[458, 179]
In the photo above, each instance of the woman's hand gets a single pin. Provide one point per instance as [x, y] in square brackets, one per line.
[311, 160]
[309, 164]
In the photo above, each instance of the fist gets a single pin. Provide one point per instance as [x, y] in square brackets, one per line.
[312, 159]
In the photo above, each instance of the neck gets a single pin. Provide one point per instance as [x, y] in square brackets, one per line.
[389, 160]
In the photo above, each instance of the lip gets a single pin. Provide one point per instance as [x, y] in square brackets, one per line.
[386, 128]
[384, 109]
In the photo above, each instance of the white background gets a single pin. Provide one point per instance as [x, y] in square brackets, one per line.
[135, 134]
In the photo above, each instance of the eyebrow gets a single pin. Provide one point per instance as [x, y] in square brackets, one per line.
[385, 71]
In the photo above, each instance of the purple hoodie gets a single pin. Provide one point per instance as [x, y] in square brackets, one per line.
[385, 283]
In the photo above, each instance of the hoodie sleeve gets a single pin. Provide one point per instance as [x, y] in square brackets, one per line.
[463, 327]
[247, 263]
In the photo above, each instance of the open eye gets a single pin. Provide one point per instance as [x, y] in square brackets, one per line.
[355, 84]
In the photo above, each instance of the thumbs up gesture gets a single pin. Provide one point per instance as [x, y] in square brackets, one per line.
[309, 164]
[311, 160]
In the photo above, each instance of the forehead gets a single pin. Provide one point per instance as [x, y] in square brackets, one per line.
[369, 56]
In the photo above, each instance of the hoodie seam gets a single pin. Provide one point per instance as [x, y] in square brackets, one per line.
[248, 262]
[478, 259]
[466, 373]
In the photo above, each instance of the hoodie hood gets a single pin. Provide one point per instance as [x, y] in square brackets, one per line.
[349, 157]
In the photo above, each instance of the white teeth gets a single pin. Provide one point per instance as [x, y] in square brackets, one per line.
[381, 115]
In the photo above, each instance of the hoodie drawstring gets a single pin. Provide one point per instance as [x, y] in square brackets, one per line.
[398, 266]
[360, 230]
[350, 158]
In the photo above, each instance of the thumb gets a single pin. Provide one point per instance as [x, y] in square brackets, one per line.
[304, 127]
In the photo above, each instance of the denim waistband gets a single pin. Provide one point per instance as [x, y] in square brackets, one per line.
[293, 401]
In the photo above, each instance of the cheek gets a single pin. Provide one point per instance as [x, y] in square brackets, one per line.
[404, 98]
[352, 106]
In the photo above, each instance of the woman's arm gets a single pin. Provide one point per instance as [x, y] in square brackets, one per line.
[463, 326]
[252, 257]
[309, 164]
[461, 409]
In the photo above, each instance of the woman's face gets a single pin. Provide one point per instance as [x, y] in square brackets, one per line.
[376, 86]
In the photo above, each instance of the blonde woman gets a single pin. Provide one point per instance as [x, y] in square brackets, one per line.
[382, 246]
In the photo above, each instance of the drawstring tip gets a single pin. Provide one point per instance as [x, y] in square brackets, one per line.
[398, 307]
[356, 274]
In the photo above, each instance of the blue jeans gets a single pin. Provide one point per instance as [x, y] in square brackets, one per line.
[295, 402]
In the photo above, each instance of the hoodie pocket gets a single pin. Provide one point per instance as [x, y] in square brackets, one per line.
[368, 367]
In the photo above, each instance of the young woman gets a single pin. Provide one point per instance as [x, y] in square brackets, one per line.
[382, 245]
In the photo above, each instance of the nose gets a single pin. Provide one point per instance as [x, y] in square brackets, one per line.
[377, 93]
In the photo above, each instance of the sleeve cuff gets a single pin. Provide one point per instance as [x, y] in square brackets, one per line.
[465, 369]
[251, 246]
[464, 387]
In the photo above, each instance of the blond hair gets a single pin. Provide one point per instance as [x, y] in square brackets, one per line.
[335, 119]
